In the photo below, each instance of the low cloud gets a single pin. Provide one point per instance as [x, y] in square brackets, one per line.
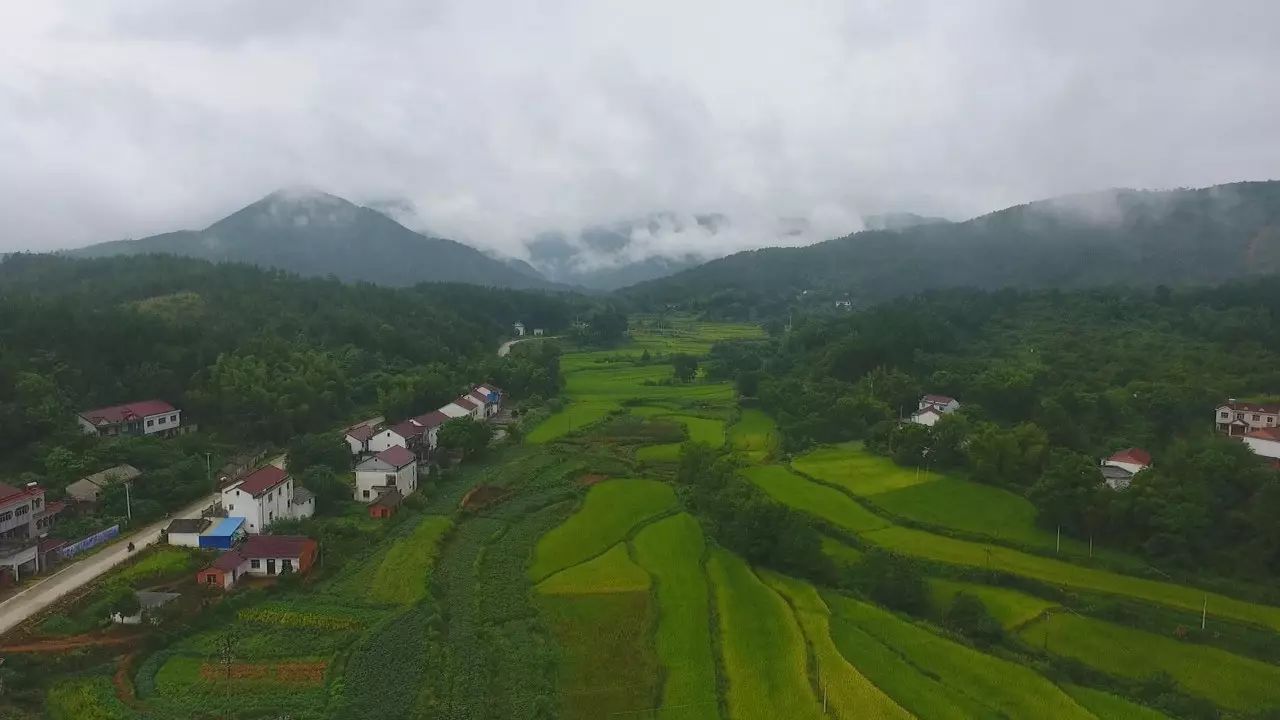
[493, 122]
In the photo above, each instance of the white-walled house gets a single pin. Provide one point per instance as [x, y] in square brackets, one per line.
[146, 417]
[1237, 418]
[266, 495]
[1118, 469]
[407, 434]
[926, 416]
[456, 410]
[431, 423]
[932, 408]
[519, 328]
[394, 467]
[186, 531]
[358, 438]
[1264, 442]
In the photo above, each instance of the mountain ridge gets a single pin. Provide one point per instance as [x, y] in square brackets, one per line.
[313, 233]
[1143, 237]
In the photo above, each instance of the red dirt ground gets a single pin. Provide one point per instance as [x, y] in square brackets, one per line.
[591, 479]
[73, 642]
[289, 672]
[482, 496]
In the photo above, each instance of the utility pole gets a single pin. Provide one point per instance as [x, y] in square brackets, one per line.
[1058, 547]
[1204, 612]
[128, 504]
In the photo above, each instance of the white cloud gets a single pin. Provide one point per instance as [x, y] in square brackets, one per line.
[496, 120]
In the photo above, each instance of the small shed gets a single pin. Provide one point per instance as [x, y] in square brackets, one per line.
[186, 531]
[386, 504]
[89, 489]
[224, 535]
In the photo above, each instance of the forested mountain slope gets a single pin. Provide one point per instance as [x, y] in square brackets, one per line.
[1116, 237]
[259, 353]
[316, 234]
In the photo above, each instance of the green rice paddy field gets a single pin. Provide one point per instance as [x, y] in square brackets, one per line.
[605, 598]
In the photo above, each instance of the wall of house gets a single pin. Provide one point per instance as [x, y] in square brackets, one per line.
[356, 446]
[17, 516]
[161, 422]
[301, 564]
[185, 539]
[1225, 415]
[261, 511]
[406, 479]
[385, 440]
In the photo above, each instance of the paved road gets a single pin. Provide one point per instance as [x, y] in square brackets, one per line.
[47, 590]
[505, 347]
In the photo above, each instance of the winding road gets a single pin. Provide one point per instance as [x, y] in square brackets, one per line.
[505, 347]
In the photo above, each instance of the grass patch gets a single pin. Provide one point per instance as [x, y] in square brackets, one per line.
[612, 572]
[1011, 608]
[663, 453]
[1004, 688]
[819, 500]
[401, 577]
[850, 694]
[162, 562]
[607, 662]
[761, 646]
[575, 416]
[84, 699]
[851, 467]
[755, 434]
[608, 513]
[972, 554]
[1229, 680]
[671, 550]
[1110, 707]
[843, 555]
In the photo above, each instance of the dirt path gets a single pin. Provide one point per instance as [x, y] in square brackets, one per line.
[74, 642]
[505, 347]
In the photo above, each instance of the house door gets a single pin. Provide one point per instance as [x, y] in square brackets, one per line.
[271, 567]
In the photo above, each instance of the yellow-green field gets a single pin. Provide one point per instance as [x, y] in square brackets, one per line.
[819, 500]
[608, 513]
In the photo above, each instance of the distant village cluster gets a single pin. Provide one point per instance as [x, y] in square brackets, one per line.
[388, 461]
[1257, 425]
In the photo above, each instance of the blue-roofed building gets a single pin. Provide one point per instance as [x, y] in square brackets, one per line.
[224, 535]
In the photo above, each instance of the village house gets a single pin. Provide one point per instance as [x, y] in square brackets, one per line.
[409, 435]
[932, 408]
[358, 438]
[394, 467]
[266, 495]
[89, 489]
[23, 520]
[1119, 469]
[1237, 418]
[146, 417]
[261, 556]
[537, 332]
[431, 423]
[461, 407]
[519, 328]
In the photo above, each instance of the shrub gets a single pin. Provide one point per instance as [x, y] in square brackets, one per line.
[968, 616]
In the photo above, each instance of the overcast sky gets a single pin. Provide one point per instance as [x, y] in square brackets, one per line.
[500, 119]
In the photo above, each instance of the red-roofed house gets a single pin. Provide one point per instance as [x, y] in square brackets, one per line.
[927, 416]
[146, 417]
[262, 555]
[1119, 469]
[1237, 418]
[1265, 442]
[463, 406]
[22, 522]
[393, 468]
[266, 495]
[358, 438]
[942, 403]
[407, 434]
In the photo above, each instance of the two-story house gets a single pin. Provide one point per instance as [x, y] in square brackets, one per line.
[22, 515]
[1237, 418]
[932, 408]
[393, 468]
[266, 495]
[146, 417]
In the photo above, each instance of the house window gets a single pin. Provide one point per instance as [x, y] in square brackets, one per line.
[173, 418]
[271, 515]
[162, 420]
[211, 579]
[22, 511]
[366, 493]
[1239, 416]
[391, 479]
[288, 564]
[1225, 415]
[6, 516]
[1255, 417]
[150, 423]
[35, 503]
[255, 563]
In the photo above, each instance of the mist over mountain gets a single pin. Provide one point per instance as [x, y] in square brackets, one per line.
[1113, 237]
[317, 234]
[615, 255]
